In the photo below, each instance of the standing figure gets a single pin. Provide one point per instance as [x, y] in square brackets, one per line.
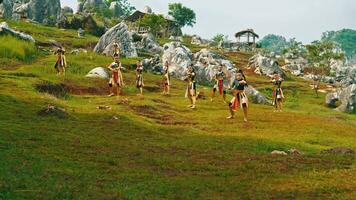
[191, 91]
[166, 79]
[61, 62]
[239, 96]
[277, 92]
[116, 80]
[116, 51]
[139, 77]
[219, 84]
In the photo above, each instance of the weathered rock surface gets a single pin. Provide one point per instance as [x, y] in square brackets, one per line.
[5, 29]
[121, 35]
[197, 40]
[265, 65]
[153, 65]
[42, 11]
[256, 96]
[91, 5]
[295, 66]
[148, 44]
[179, 58]
[347, 97]
[98, 72]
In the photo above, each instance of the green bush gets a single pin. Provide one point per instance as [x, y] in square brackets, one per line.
[13, 48]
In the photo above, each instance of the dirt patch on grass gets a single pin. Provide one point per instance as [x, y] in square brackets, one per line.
[152, 88]
[63, 90]
[57, 90]
[159, 117]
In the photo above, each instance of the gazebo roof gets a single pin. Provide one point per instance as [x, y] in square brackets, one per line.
[243, 33]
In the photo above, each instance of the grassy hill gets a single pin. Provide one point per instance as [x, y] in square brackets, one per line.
[154, 147]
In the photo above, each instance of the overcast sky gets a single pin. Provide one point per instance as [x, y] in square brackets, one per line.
[302, 19]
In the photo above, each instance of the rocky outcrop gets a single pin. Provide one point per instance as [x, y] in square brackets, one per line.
[295, 65]
[121, 35]
[179, 58]
[347, 97]
[207, 63]
[344, 74]
[5, 29]
[91, 5]
[148, 44]
[153, 65]
[265, 65]
[42, 11]
[6, 8]
[98, 72]
[256, 96]
[197, 40]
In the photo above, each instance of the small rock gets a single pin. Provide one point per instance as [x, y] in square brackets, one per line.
[201, 95]
[276, 152]
[104, 107]
[294, 152]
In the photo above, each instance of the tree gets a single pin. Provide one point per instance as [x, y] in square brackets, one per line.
[153, 22]
[219, 38]
[346, 38]
[126, 7]
[182, 15]
[275, 43]
[320, 54]
[295, 48]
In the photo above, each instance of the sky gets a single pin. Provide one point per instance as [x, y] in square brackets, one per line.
[304, 20]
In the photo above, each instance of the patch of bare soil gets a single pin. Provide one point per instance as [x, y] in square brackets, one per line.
[160, 118]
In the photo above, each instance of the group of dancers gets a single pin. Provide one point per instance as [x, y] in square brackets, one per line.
[237, 87]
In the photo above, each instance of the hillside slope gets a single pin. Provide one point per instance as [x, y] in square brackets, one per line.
[154, 147]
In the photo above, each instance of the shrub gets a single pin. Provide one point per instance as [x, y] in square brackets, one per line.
[13, 48]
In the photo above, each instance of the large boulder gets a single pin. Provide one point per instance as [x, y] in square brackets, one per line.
[179, 58]
[295, 66]
[148, 44]
[347, 98]
[256, 96]
[153, 65]
[42, 11]
[344, 74]
[197, 40]
[91, 5]
[6, 8]
[98, 72]
[265, 65]
[5, 29]
[121, 35]
[207, 64]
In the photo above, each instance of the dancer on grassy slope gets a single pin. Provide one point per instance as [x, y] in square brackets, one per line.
[239, 97]
[116, 80]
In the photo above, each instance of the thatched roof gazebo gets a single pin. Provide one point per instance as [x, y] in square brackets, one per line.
[250, 36]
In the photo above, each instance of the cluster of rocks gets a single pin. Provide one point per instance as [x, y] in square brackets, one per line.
[197, 40]
[41, 11]
[265, 65]
[121, 35]
[6, 30]
[147, 43]
[295, 66]
[347, 98]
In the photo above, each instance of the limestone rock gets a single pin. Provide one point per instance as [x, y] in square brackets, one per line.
[179, 58]
[98, 72]
[265, 65]
[347, 97]
[121, 35]
[5, 29]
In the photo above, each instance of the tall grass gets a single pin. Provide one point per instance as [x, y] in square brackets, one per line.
[13, 48]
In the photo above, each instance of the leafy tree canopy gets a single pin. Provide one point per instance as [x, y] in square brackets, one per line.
[182, 15]
[153, 22]
[346, 38]
[275, 43]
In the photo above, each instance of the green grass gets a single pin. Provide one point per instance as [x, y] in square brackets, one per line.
[43, 34]
[157, 148]
[13, 50]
